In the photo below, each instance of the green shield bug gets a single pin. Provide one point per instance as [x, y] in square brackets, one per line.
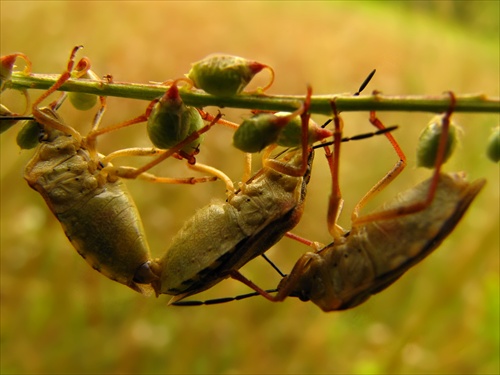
[226, 75]
[383, 245]
[87, 196]
[230, 234]
[220, 238]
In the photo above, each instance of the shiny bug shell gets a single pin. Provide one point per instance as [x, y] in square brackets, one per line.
[224, 236]
[372, 256]
[99, 217]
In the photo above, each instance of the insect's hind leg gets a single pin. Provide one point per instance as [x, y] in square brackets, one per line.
[278, 166]
[335, 201]
[419, 206]
[385, 181]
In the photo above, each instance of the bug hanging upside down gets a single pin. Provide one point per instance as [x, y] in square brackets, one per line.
[86, 193]
[383, 245]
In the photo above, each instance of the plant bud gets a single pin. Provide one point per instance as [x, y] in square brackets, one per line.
[428, 143]
[171, 121]
[225, 75]
[29, 135]
[80, 100]
[264, 129]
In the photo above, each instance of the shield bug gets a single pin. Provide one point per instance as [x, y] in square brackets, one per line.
[383, 245]
[222, 237]
[226, 75]
[87, 196]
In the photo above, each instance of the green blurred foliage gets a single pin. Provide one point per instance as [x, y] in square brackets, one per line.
[60, 316]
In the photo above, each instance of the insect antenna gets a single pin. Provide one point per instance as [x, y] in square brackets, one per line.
[360, 136]
[361, 88]
[273, 265]
[217, 301]
[365, 82]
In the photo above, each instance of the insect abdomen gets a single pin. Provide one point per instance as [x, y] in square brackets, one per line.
[99, 218]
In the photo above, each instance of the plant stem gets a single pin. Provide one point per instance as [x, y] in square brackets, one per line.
[319, 104]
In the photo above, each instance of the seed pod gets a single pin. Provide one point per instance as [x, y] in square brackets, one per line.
[83, 101]
[493, 150]
[428, 143]
[258, 132]
[264, 129]
[171, 121]
[225, 75]
[29, 135]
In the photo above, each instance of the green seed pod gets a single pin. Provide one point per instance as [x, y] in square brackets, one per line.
[493, 150]
[225, 75]
[83, 101]
[257, 132]
[29, 135]
[171, 121]
[428, 143]
[262, 130]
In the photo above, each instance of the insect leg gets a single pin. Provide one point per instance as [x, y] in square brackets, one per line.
[418, 206]
[281, 167]
[46, 119]
[335, 200]
[132, 173]
[386, 180]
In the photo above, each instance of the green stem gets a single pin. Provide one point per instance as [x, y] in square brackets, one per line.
[319, 104]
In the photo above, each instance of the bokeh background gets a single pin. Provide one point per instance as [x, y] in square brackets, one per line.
[60, 316]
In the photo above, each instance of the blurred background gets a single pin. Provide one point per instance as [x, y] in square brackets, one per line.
[60, 316]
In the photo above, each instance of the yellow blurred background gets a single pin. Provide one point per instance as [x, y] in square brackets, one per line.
[60, 316]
